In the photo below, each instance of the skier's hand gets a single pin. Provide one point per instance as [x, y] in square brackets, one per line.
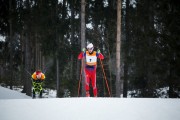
[83, 50]
[98, 51]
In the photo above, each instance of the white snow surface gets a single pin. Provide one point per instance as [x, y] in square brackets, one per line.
[11, 94]
[12, 107]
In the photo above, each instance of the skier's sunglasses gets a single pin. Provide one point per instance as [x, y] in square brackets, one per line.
[90, 48]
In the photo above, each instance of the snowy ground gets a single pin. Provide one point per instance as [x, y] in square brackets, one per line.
[11, 94]
[12, 107]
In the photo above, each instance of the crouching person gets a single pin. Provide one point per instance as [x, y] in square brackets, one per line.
[38, 78]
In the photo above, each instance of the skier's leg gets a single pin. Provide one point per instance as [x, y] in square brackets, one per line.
[87, 80]
[40, 94]
[33, 95]
[40, 89]
[93, 79]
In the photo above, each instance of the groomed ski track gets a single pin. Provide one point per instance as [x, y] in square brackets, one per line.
[90, 109]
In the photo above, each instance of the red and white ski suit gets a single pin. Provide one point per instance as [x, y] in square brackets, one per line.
[90, 69]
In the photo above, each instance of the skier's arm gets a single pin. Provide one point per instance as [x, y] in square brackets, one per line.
[82, 54]
[99, 55]
[43, 76]
[33, 76]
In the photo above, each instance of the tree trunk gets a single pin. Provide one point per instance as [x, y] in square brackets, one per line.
[27, 64]
[119, 82]
[11, 45]
[57, 76]
[23, 72]
[72, 40]
[83, 27]
[28, 83]
[125, 86]
[57, 52]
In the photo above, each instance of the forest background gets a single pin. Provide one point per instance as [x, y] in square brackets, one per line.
[46, 35]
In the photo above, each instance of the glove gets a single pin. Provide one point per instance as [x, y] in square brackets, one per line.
[83, 50]
[98, 51]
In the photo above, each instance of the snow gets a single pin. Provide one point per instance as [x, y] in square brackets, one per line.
[11, 94]
[2, 38]
[12, 107]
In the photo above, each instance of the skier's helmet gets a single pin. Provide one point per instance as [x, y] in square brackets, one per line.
[90, 46]
[38, 74]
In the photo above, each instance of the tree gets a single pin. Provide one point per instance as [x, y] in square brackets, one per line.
[119, 82]
[83, 36]
[126, 49]
[11, 42]
[147, 49]
[28, 54]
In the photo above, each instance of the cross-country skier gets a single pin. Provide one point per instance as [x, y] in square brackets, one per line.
[90, 67]
[38, 77]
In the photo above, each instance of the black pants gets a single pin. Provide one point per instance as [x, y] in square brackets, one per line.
[37, 87]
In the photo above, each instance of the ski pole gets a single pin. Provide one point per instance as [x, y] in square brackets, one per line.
[105, 78]
[82, 66]
[28, 72]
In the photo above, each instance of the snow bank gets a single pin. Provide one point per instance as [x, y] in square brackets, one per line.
[89, 108]
[6, 93]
